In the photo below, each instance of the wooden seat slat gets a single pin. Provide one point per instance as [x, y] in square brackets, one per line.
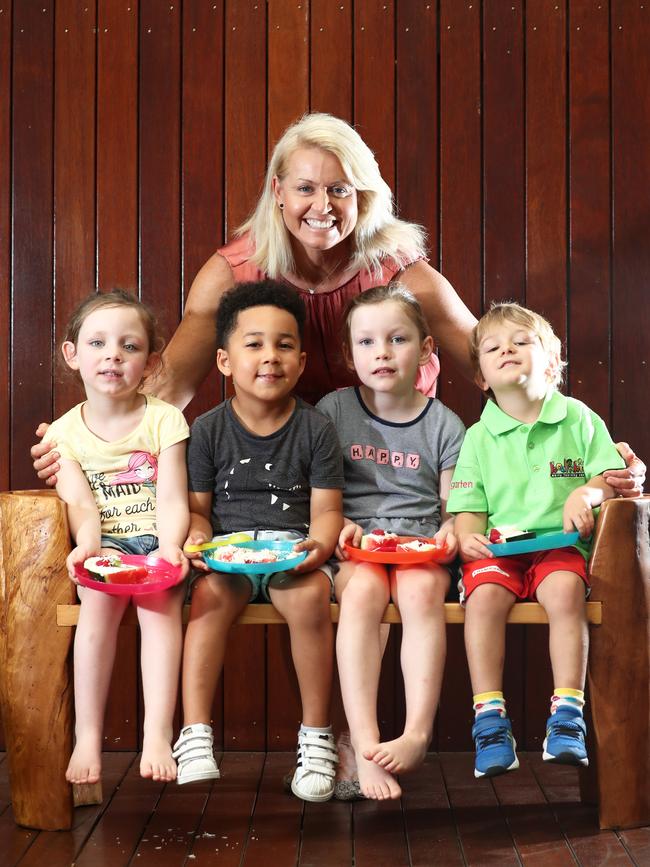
[263, 613]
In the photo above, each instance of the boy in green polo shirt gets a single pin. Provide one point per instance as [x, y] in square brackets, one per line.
[534, 461]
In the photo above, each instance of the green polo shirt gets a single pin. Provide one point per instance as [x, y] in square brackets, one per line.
[521, 474]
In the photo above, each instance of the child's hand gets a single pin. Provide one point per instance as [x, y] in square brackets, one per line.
[578, 513]
[446, 538]
[473, 546]
[316, 556]
[350, 534]
[77, 557]
[173, 554]
[197, 537]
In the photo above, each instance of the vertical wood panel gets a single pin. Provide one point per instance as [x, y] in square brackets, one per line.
[159, 140]
[117, 264]
[374, 80]
[5, 239]
[589, 206]
[630, 30]
[31, 374]
[245, 154]
[245, 108]
[503, 145]
[417, 131]
[117, 142]
[74, 178]
[546, 243]
[460, 178]
[331, 55]
[288, 47]
[461, 263]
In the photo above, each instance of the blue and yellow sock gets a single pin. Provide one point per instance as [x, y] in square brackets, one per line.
[486, 701]
[565, 697]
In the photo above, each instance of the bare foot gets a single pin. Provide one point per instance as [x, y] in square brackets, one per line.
[400, 755]
[376, 783]
[85, 764]
[156, 762]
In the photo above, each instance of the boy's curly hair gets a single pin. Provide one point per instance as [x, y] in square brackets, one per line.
[260, 293]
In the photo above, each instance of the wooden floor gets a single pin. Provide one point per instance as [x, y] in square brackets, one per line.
[445, 817]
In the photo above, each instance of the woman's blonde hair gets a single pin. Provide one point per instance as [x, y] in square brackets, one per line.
[511, 312]
[378, 232]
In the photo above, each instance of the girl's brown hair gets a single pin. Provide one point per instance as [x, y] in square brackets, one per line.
[392, 292]
[115, 298]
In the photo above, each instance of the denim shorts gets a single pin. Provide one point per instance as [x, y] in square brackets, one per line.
[260, 582]
[131, 544]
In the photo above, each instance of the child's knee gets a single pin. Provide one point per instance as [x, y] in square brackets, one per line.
[489, 597]
[367, 588]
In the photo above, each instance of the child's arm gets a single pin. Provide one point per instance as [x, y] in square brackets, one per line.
[580, 503]
[200, 530]
[350, 534]
[470, 529]
[446, 535]
[172, 512]
[326, 507]
[83, 516]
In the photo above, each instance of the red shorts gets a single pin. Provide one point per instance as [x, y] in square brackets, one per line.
[521, 574]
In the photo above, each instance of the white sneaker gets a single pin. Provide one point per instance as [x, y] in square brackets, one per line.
[316, 763]
[194, 756]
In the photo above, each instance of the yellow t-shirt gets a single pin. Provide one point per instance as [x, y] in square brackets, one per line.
[122, 475]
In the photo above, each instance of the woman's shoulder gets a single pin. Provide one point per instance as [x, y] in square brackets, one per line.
[238, 253]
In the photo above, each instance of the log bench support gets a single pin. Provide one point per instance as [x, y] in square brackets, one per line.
[37, 611]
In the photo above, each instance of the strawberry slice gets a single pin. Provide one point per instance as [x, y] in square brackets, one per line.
[495, 536]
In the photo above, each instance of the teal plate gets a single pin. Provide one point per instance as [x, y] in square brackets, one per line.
[290, 559]
[542, 542]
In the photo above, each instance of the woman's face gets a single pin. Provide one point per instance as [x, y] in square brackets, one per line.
[320, 203]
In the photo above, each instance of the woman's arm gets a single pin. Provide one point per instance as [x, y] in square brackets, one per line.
[450, 321]
[628, 482]
[83, 515]
[190, 354]
[172, 510]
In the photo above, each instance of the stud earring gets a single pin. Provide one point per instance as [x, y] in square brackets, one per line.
[281, 206]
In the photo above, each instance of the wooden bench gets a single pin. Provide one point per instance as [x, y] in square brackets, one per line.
[38, 608]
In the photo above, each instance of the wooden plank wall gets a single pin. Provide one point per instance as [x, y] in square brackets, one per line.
[133, 140]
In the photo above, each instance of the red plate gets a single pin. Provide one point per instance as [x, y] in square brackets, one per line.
[397, 558]
[161, 575]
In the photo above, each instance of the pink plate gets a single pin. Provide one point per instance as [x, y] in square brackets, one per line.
[396, 558]
[161, 575]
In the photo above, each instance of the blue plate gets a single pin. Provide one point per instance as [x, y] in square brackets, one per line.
[541, 542]
[290, 560]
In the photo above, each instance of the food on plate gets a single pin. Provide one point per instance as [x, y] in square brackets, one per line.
[499, 535]
[383, 541]
[111, 569]
[241, 554]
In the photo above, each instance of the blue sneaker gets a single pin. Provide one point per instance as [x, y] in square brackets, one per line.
[495, 745]
[565, 738]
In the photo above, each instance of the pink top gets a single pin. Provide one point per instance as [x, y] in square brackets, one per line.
[325, 370]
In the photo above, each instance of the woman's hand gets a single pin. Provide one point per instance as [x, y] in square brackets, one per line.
[473, 546]
[45, 457]
[350, 534]
[628, 482]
